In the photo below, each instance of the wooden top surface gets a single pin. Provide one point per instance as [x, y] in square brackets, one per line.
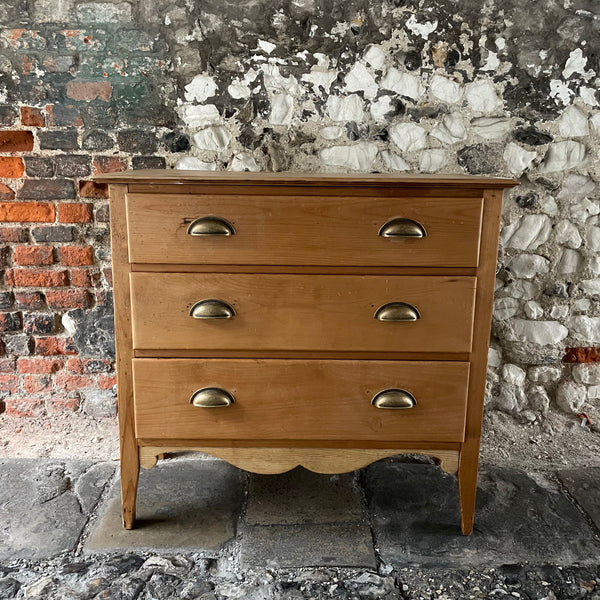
[166, 176]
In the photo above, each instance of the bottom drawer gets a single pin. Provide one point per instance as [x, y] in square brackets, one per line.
[300, 399]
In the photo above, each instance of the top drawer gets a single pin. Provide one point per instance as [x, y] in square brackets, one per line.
[303, 230]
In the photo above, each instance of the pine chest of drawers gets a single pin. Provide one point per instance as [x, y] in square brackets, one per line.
[276, 320]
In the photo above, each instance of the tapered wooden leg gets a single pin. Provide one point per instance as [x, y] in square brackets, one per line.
[467, 484]
[130, 471]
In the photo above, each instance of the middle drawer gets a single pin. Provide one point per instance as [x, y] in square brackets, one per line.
[302, 312]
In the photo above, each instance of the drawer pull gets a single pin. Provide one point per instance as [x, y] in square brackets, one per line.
[397, 311]
[210, 226]
[211, 397]
[394, 399]
[212, 309]
[402, 228]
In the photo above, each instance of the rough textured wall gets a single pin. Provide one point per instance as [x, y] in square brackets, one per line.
[447, 86]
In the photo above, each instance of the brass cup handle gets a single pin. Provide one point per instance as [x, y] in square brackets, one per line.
[211, 397]
[394, 399]
[397, 311]
[211, 308]
[402, 228]
[210, 225]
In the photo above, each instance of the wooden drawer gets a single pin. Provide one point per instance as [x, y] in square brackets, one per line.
[302, 312]
[303, 230]
[299, 400]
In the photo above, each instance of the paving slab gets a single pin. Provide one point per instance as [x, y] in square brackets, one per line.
[181, 504]
[45, 504]
[584, 486]
[291, 546]
[415, 516]
[302, 497]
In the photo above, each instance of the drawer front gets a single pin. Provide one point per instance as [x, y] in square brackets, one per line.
[302, 312]
[299, 400]
[303, 230]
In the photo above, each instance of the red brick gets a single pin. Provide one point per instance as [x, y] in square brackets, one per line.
[71, 383]
[71, 212]
[76, 256]
[6, 193]
[13, 234]
[84, 91]
[85, 278]
[33, 384]
[32, 300]
[36, 277]
[109, 164]
[33, 212]
[24, 407]
[16, 141]
[105, 382]
[11, 321]
[67, 299]
[33, 255]
[11, 167]
[91, 189]
[32, 117]
[39, 365]
[585, 354]
[54, 346]
[108, 275]
[64, 403]
[9, 383]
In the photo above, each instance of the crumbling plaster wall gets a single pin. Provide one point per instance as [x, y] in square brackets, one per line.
[438, 86]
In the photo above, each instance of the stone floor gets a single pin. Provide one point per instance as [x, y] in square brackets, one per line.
[207, 530]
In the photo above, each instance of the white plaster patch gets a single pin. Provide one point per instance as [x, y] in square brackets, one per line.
[282, 109]
[528, 233]
[238, 90]
[358, 157]
[331, 133]
[375, 57]
[451, 130]
[564, 155]
[585, 329]
[492, 62]
[191, 163]
[197, 116]
[581, 211]
[432, 160]
[243, 161]
[596, 122]
[490, 128]
[533, 310]
[200, 88]
[345, 108]
[544, 333]
[359, 79]
[408, 136]
[422, 29]
[593, 239]
[265, 46]
[482, 96]
[518, 159]
[381, 108]
[393, 161]
[575, 63]
[402, 83]
[276, 82]
[445, 89]
[212, 138]
[588, 95]
[573, 123]
[576, 187]
[320, 80]
[527, 266]
[566, 233]
[560, 91]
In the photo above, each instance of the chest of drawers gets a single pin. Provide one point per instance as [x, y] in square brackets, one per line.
[276, 320]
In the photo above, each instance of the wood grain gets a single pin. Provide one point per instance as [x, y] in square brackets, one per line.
[302, 312]
[295, 399]
[124, 346]
[320, 460]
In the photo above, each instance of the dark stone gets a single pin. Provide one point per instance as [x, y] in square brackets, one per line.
[413, 60]
[584, 486]
[10, 321]
[94, 331]
[176, 141]
[54, 233]
[76, 567]
[126, 564]
[58, 140]
[528, 200]
[381, 134]
[102, 214]
[127, 590]
[453, 58]
[18, 345]
[9, 587]
[481, 159]
[47, 189]
[531, 136]
[65, 115]
[6, 299]
[8, 115]
[72, 165]
[162, 585]
[97, 140]
[557, 290]
[352, 131]
[148, 162]
[36, 166]
[38, 323]
[136, 141]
